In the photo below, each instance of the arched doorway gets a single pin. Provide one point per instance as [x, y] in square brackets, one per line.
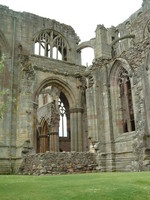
[53, 120]
[48, 96]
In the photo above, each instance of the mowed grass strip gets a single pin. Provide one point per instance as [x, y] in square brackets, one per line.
[99, 186]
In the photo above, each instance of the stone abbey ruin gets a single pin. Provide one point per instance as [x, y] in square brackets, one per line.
[70, 118]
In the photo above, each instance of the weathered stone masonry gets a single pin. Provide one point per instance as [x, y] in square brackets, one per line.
[62, 106]
[59, 163]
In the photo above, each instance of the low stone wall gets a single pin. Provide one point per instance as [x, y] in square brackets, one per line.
[58, 163]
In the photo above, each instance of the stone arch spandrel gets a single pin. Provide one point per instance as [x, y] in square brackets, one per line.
[62, 86]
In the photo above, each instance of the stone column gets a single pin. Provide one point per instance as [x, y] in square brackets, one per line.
[76, 129]
[54, 142]
[35, 122]
[92, 105]
[80, 129]
[72, 131]
[43, 143]
[54, 128]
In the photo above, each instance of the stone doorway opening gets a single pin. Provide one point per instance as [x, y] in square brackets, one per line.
[52, 121]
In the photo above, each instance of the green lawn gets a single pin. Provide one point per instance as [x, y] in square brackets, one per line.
[100, 186]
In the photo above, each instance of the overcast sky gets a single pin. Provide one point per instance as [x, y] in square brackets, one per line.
[82, 15]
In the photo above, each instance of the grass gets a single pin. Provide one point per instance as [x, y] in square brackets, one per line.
[100, 186]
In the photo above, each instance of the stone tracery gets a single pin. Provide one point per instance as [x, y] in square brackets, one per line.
[51, 44]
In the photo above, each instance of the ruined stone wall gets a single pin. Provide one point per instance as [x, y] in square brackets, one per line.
[25, 73]
[58, 163]
[126, 46]
[117, 150]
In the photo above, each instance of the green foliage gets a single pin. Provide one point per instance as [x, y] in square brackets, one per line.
[105, 186]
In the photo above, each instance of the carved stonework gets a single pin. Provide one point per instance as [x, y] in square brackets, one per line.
[44, 112]
[89, 78]
[100, 62]
[55, 118]
[27, 68]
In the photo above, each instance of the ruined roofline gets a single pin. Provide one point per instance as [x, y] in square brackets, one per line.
[132, 17]
[5, 10]
[145, 7]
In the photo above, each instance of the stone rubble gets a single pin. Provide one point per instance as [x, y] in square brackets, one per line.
[51, 163]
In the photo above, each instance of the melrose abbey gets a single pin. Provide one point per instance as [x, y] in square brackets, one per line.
[66, 117]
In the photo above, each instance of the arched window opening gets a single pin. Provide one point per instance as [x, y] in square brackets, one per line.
[87, 56]
[56, 54]
[126, 101]
[44, 137]
[63, 120]
[51, 44]
[121, 92]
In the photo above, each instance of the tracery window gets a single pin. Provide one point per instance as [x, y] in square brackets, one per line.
[126, 101]
[51, 44]
[63, 120]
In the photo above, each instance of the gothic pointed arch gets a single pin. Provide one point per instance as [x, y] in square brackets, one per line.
[123, 119]
[61, 85]
[55, 99]
[44, 137]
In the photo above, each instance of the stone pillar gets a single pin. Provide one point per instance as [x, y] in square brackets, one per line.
[72, 131]
[43, 143]
[35, 122]
[102, 48]
[25, 104]
[80, 130]
[54, 128]
[54, 141]
[92, 101]
[76, 129]
[108, 127]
